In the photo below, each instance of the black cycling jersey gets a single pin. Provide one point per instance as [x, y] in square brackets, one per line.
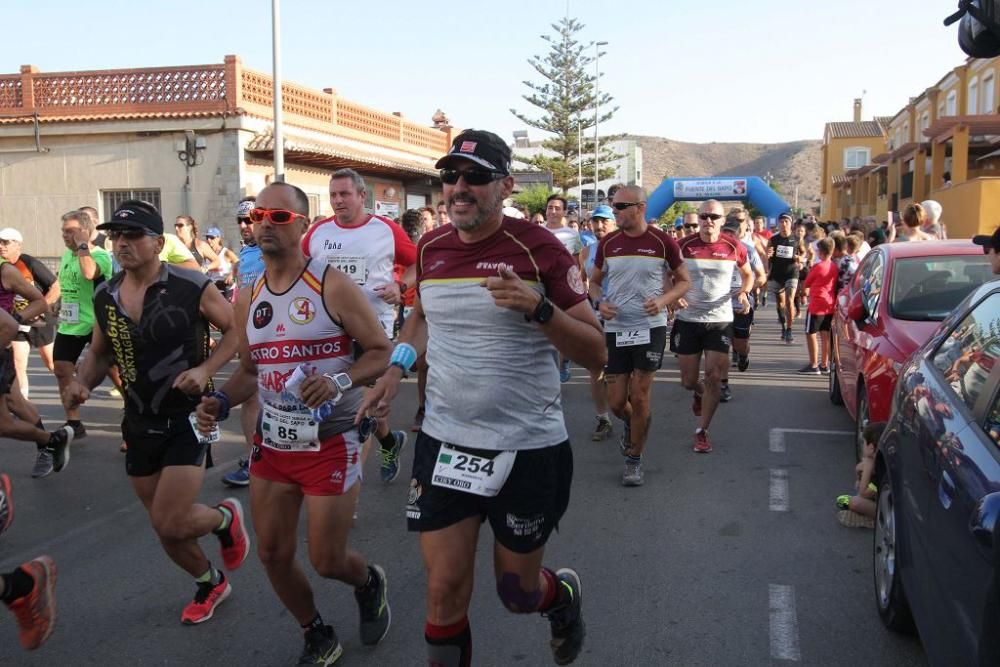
[170, 337]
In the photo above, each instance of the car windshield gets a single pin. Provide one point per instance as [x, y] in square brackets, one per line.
[929, 288]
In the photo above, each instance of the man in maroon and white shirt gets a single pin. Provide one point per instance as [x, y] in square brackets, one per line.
[705, 316]
[367, 248]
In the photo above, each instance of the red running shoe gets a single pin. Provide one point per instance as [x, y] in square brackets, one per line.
[205, 601]
[234, 541]
[701, 443]
[696, 405]
[6, 504]
[36, 611]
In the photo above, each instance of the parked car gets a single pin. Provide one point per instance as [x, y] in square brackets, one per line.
[899, 295]
[937, 468]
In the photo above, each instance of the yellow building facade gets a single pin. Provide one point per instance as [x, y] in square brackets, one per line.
[944, 144]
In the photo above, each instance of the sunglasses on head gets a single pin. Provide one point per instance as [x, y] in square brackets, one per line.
[472, 176]
[710, 216]
[129, 234]
[277, 216]
[622, 205]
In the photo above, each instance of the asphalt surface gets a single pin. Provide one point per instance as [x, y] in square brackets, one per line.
[730, 558]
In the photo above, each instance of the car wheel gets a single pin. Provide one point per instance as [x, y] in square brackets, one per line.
[834, 389]
[893, 608]
[861, 422]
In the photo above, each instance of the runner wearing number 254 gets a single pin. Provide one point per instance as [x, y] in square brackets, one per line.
[499, 299]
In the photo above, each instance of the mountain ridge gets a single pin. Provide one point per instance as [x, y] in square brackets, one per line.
[792, 164]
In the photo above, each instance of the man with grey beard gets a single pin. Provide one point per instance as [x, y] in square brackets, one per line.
[499, 299]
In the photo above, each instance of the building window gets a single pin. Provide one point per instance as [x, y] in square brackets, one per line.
[951, 104]
[112, 199]
[925, 121]
[972, 104]
[855, 158]
[988, 93]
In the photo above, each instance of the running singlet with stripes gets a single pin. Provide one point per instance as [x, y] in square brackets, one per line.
[367, 253]
[711, 266]
[493, 378]
[635, 267]
[292, 328]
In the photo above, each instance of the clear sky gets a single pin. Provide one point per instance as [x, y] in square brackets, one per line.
[725, 70]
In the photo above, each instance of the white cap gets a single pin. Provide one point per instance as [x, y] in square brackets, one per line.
[512, 212]
[11, 234]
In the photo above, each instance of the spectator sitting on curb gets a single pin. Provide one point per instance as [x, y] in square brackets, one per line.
[858, 511]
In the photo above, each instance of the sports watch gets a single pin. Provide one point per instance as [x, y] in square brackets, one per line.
[342, 381]
[543, 312]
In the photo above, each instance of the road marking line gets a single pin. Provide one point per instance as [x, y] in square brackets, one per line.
[779, 490]
[777, 436]
[784, 624]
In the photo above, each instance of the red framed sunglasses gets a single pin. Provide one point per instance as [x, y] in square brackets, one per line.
[276, 216]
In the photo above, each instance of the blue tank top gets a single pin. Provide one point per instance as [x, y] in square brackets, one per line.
[251, 265]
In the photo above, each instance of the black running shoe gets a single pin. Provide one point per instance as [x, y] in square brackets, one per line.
[373, 605]
[568, 628]
[743, 363]
[322, 647]
[725, 394]
[59, 443]
[79, 432]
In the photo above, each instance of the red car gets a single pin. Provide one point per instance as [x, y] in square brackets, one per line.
[899, 295]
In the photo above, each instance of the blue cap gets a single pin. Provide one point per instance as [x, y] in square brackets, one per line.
[678, 223]
[603, 211]
[214, 231]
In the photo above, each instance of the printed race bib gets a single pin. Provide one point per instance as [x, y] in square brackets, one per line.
[69, 313]
[288, 431]
[785, 251]
[470, 473]
[356, 268]
[205, 439]
[631, 338]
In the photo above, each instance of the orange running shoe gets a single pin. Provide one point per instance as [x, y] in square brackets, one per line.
[36, 611]
[205, 601]
[235, 545]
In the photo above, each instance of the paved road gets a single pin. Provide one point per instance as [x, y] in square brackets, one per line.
[734, 558]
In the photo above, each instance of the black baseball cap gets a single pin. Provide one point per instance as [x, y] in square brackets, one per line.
[988, 241]
[135, 214]
[479, 147]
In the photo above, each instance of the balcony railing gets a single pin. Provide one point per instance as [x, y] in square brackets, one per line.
[224, 89]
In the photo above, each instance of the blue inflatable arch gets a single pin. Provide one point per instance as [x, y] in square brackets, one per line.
[732, 188]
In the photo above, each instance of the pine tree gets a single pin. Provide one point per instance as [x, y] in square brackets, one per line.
[567, 99]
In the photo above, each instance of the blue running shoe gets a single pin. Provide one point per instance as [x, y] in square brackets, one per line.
[390, 458]
[240, 476]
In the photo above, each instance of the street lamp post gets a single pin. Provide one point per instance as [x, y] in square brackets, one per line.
[579, 157]
[279, 135]
[597, 105]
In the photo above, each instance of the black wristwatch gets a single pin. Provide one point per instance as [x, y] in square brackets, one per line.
[543, 312]
[83, 246]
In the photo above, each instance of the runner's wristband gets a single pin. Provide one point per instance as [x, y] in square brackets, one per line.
[404, 356]
[223, 399]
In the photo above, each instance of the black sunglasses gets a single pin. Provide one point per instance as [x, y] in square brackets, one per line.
[472, 176]
[710, 216]
[622, 205]
[244, 221]
[129, 234]
[690, 226]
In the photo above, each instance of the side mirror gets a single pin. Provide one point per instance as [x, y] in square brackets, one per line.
[856, 310]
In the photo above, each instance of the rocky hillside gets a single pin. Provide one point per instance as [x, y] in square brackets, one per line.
[791, 164]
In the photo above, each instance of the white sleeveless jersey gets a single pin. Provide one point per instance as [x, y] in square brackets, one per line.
[368, 254]
[292, 328]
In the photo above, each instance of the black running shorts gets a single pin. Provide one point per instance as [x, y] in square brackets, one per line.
[647, 357]
[38, 336]
[742, 324]
[155, 443]
[522, 515]
[697, 337]
[69, 347]
[817, 323]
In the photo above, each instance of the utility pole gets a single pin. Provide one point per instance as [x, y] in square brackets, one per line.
[597, 106]
[279, 135]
